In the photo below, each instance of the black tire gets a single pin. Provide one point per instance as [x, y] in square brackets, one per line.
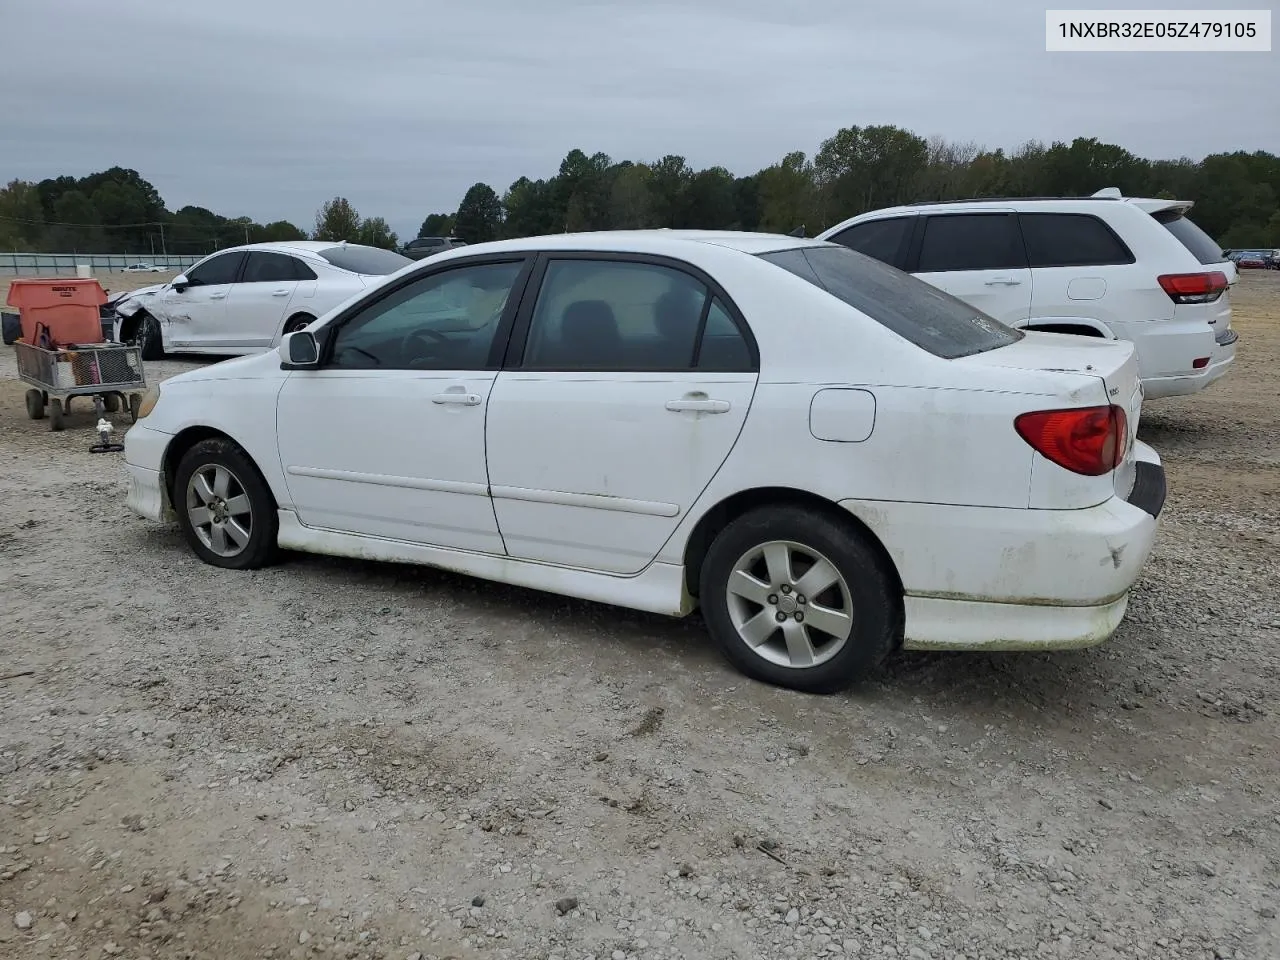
[870, 598]
[35, 405]
[214, 453]
[56, 422]
[147, 337]
[111, 402]
[297, 322]
[135, 406]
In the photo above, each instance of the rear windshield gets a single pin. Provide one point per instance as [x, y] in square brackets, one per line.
[915, 310]
[1202, 246]
[372, 261]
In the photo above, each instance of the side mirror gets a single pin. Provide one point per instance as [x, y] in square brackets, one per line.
[180, 282]
[300, 351]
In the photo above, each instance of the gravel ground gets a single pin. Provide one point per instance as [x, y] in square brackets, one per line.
[336, 759]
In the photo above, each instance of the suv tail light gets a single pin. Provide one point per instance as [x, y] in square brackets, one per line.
[1088, 440]
[1194, 287]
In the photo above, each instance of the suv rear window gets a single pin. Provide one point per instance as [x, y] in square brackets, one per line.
[372, 261]
[916, 311]
[1202, 246]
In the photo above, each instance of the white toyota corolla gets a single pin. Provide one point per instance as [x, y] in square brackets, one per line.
[828, 456]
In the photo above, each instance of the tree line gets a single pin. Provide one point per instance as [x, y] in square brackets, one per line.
[1237, 196]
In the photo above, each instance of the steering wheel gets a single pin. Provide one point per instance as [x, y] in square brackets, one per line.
[421, 335]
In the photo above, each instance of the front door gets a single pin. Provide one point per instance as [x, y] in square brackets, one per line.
[386, 439]
[632, 387]
[195, 315]
[980, 258]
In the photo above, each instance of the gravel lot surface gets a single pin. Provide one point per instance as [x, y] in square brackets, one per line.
[337, 759]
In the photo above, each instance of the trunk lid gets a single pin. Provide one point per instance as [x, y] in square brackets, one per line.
[1112, 362]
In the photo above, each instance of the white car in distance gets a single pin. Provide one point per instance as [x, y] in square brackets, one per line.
[828, 456]
[1110, 266]
[144, 268]
[243, 299]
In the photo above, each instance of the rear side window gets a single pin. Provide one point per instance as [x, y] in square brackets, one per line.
[1202, 246]
[917, 311]
[265, 267]
[883, 239]
[1071, 240]
[971, 241]
[371, 261]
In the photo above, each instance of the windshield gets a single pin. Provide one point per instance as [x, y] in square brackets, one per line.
[371, 261]
[917, 311]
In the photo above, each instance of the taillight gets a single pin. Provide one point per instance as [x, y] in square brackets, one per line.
[1087, 440]
[1193, 287]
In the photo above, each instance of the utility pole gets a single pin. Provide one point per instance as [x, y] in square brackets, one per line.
[163, 249]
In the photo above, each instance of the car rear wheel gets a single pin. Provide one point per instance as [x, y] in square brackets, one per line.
[799, 600]
[225, 510]
[296, 323]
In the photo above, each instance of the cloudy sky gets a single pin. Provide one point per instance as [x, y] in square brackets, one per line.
[266, 108]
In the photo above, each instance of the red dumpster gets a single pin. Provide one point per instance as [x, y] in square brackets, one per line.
[68, 307]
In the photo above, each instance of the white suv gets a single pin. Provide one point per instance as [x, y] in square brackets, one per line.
[1103, 266]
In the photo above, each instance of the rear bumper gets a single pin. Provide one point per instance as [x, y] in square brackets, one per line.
[1224, 354]
[1017, 579]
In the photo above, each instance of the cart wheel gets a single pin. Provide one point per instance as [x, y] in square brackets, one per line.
[111, 402]
[35, 404]
[66, 406]
[55, 415]
[135, 405]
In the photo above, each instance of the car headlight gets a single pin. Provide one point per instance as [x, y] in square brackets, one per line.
[149, 400]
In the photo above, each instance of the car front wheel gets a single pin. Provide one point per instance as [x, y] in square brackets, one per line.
[147, 337]
[798, 600]
[226, 512]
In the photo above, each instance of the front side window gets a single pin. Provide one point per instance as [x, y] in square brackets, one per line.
[221, 268]
[971, 241]
[883, 239]
[444, 321]
[622, 316]
[917, 311]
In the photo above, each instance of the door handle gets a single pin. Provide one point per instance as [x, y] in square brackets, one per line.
[698, 406]
[279, 293]
[216, 296]
[1003, 282]
[463, 399]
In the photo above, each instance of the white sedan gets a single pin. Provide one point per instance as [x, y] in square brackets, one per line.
[828, 456]
[143, 268]
[243, 299]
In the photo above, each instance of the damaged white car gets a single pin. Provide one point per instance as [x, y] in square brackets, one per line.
[243, 299]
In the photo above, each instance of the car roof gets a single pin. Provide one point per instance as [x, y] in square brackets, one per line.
[1107, 195]
[646, 241]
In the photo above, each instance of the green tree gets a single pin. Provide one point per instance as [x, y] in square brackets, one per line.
[21, 216]
[376, 232]
[337, 220]
[437, 225]
[530, 207]
[279, 231]
[631, 200]
[479, 215]
[77, 228]
[711, 203]
[788, 196]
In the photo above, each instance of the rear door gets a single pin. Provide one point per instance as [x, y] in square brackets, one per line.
[629, 385]
[196, 314]
[979, 258]
[1081, 270]
[256, 307]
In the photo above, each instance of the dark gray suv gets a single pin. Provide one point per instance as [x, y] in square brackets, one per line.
[424, 247]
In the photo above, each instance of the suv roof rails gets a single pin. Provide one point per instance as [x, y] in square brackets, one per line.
[1100, 195]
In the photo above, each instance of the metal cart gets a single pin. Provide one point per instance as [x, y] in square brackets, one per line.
[111, 373]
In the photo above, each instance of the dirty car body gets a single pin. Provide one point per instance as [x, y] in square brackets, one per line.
[830, 457]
